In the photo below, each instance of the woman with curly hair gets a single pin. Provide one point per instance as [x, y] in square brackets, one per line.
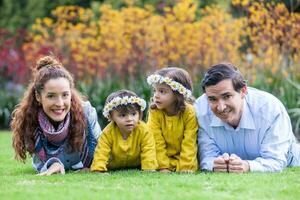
[53, 123]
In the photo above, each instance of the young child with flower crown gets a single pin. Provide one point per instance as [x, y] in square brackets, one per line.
[125, 142]
[172, 120]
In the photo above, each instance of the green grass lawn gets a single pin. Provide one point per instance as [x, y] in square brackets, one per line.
[18, 181]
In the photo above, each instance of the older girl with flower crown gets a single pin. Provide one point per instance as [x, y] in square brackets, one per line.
[126, 141]
[53, 123]
[173, 121]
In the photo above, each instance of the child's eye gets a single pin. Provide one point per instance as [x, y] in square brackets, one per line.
[133, 113]
[122, 115]
[65, 94]
[162, 91]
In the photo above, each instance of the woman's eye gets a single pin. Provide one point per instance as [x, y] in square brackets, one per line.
[50, 96]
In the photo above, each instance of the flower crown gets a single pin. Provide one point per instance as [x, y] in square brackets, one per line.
[115, 102]
[175, 86]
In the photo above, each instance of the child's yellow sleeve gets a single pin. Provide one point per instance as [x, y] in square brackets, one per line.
[102, 153]
[154, 126]
[188, 154]
[148, 152]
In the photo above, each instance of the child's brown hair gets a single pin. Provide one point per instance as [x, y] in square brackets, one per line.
[124, 108]
[181, 76]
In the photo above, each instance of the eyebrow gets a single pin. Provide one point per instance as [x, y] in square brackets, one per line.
[162, 87]
[58, 92]
[226, 93]
[51, 93]
[54, 93]
[223, 94]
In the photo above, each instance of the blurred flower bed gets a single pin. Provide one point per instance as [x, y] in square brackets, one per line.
[107, 49]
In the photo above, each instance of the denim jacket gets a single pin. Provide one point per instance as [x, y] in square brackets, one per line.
[71, 160]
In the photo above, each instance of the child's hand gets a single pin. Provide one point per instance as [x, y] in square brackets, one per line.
[55, 168]
[101, 172]
[187, 171]
[149, 170]
[164, 170]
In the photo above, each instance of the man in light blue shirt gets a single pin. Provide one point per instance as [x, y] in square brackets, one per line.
[241, 128]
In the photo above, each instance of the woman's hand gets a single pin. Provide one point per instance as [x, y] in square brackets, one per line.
[55, 168]
[83, 170]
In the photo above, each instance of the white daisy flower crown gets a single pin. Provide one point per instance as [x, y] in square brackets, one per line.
[175, 86]
[115, 102]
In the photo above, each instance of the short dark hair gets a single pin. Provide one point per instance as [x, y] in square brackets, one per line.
[223, 71]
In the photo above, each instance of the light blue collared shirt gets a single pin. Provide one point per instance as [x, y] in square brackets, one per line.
[264, 136]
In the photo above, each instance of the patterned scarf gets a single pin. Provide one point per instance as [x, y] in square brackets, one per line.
[50, 142]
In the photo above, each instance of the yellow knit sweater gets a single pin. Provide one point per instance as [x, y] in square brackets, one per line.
[175, 138]
[113, 152]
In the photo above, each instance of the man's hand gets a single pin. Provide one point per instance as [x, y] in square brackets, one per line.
[221, 163]
[53, 169]
[237, 165]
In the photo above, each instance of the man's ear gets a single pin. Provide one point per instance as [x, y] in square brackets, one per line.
[244, 91]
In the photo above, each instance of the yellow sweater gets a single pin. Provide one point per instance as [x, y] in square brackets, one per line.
[113, 152]
[175, 138]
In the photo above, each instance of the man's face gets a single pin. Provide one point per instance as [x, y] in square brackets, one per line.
[225, 102]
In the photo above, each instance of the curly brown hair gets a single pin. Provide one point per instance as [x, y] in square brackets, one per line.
[181, 76]
[24, 117]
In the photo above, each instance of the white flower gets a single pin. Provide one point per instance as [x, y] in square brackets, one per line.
[115, 102]
[175, 86]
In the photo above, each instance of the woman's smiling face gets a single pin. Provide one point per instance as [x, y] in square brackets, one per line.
[55, 98]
